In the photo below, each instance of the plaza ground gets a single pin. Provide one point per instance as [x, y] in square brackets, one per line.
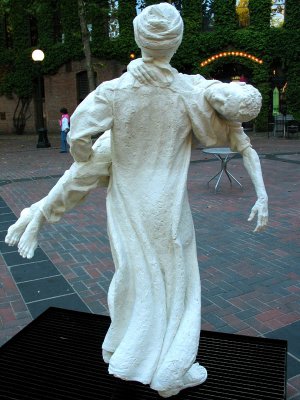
[250, 282]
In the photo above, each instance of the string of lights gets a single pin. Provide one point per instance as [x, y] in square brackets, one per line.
[230, 54]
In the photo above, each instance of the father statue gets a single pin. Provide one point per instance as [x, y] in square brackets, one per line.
[150, 114]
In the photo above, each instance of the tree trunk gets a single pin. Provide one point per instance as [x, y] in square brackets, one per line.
[21, 115]
[86, 45]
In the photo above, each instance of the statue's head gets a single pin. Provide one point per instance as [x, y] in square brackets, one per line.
[158, 31]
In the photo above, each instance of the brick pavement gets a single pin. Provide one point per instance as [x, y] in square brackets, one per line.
[250, 282]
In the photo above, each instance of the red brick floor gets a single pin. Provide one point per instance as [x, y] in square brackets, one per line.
[250, 282]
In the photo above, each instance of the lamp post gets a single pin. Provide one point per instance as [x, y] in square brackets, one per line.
[38, 56]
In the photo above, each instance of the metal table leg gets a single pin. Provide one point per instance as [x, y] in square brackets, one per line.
[224, 162]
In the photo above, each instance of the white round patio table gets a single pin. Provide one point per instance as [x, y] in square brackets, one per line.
[224, 154]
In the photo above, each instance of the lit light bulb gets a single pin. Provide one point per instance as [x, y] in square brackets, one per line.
[38, 55]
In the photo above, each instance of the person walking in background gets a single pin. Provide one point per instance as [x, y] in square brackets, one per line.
[64, 123]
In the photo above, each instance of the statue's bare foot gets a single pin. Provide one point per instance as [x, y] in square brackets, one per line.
[16, 230]
[29, 240]
[194, 377]
[106, 355]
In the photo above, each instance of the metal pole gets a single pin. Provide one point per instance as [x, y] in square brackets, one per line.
[40, 117]
[42, 132]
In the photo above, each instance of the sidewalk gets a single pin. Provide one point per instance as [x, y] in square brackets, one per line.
[250, 282]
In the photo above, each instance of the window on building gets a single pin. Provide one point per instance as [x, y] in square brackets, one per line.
[90, 30]
[82, 86]
[277, 13]
[113, 24]
[242, 10]
[207, 15]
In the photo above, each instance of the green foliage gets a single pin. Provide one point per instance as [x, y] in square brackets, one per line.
[16, 69]
[192, 16]
[260, 14]
[225, 15]
[43, 10]
[261, 122]
[293, 90]
[20, 25]
[97, 14]
[151, 2]
[292, 60]
[292, 13]
[70, 25]
[2, 32]
[126, 14]
[280, 46]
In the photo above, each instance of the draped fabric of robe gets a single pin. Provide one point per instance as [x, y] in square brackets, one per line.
[154, 296]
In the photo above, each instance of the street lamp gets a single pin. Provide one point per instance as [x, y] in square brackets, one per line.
[38, 56]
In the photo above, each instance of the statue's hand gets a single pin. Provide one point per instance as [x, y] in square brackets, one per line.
[143, 74]
[141, 71]
[261, 209]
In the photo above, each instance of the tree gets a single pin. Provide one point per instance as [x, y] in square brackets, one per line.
[59, 28]
[85, 34]
[15, 66]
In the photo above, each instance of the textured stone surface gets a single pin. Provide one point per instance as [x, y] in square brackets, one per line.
[230, 291]
[264, 278]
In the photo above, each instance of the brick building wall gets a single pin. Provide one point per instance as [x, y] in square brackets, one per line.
[7, 108]
[61, 90]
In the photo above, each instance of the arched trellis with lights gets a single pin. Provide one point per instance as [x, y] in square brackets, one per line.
[230, 54]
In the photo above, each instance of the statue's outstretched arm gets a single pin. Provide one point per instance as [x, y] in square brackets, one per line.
[237, 103]
[70, 190]
[253, 167]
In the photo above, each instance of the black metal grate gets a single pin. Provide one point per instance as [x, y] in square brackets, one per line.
[58, 357]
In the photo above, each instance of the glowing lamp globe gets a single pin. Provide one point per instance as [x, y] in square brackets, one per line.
[38, 55]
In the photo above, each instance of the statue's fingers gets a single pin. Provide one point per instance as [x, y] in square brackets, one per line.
[261, 228]
[147, 75]
[144, 75]
[139, 76]
[261, 223]
[30, 253]
[151, 75]
[22, 253]
[252, 214]
[265, 220]
[257, 228]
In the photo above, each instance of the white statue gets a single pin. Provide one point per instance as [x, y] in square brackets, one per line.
[150, 114]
